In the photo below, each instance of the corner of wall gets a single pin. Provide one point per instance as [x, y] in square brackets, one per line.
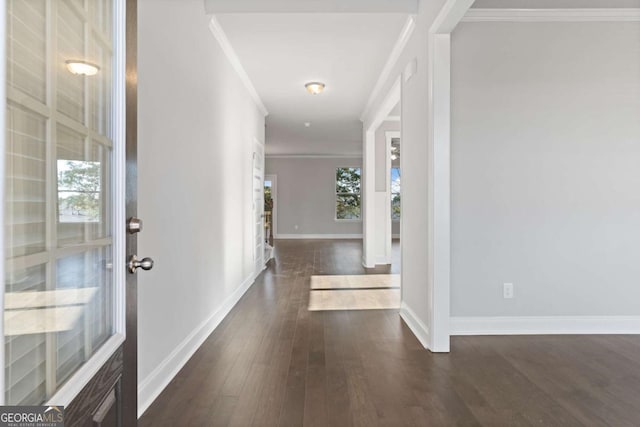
[419, 329]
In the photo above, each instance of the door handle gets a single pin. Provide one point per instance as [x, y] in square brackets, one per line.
[135, 263]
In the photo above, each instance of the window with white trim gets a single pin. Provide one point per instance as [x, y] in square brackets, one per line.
[348, 193]
[395, 193]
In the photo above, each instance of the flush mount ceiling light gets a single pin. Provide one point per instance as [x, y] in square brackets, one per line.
[307, 124]
[82, 68]
[314, 88]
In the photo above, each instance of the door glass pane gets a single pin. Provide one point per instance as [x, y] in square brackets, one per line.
[26, 374]
[59, 290]
[27, 48]
[70, 46]
[83, 188]
[25, 224]
[87, 276]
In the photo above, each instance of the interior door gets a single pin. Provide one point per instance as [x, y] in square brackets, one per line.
[69, 142]
[258, 206]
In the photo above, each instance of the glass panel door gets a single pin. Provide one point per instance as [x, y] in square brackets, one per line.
[59, 300]
[258, 205]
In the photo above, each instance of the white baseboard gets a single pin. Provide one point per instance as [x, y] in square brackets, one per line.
[383, 260]
[419, 329]
[318, 236]
[151, 387]
[364, 264]
[545, 325]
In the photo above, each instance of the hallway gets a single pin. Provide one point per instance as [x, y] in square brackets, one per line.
[272, 362]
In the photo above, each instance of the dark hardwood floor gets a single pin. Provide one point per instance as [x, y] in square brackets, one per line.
[271, 362]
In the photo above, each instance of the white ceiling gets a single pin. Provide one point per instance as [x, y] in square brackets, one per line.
[281, 52]
[555, 4]
[311, 6]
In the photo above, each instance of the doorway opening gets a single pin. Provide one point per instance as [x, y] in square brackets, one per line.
[377, 286]
[270, 212]
[395, 196]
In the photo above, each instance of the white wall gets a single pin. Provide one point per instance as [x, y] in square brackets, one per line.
[306, 196]
[196, 124]
[416, 280]
[546, 169]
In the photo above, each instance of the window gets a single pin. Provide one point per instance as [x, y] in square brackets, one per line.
[78, 191]
[395, 194]
[348, 193]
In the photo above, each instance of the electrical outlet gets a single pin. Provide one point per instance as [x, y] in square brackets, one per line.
[507, 291]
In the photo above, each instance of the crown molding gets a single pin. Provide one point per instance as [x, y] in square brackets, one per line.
[401, 43]
[553, 15]
[313, 156]
[450, 15]
[311, 6]
[228, 50]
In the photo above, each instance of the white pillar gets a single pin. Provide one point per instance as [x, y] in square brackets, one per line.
[439, 192]
[368, 202]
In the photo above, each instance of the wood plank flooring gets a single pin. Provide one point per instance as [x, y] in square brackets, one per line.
[273, 363]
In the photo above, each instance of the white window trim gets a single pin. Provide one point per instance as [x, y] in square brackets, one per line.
[3, 148]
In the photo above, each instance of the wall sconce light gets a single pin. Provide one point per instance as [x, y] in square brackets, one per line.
[82, 68]
[315, 88]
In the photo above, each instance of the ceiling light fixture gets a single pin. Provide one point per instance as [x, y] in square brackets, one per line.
[394, 148]
[82, 68]
[307, 124]
[315, 88]
[394, 157]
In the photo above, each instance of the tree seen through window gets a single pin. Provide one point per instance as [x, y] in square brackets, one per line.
[78, 191]
[395, 193]
[348, 193]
